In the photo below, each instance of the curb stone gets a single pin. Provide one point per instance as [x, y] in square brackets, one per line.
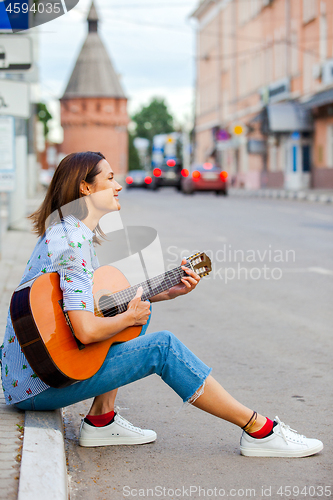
[43, 473]
[284, 194]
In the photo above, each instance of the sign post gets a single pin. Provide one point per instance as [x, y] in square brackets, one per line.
[15, 53]
[7, 153]
[14, 98]
[7, 158]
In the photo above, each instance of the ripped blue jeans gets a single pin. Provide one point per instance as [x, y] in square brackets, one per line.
[161, 353]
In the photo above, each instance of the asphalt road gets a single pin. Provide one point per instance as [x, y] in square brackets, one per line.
[262, 320]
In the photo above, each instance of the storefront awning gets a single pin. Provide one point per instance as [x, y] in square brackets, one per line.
[288, 117]
[320, 99]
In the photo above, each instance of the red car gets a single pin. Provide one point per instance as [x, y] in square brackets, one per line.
[204, 177]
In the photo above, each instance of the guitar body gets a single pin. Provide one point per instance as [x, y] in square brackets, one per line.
[45, 337]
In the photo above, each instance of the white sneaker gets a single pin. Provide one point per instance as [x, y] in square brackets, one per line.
[118, 433]
[284, 442]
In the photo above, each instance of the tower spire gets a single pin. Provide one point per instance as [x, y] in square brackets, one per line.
[92, 19]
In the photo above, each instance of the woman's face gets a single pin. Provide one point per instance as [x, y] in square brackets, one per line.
[103, 193]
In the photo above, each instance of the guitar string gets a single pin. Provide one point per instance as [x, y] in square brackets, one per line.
[124, 296]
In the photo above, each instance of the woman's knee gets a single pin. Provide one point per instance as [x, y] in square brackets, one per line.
[165, 337]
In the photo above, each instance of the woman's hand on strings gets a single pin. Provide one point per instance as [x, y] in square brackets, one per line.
[139, 309]
[188, 282]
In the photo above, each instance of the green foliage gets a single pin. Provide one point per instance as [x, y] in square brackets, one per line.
[153, 119]
[133, 157]
[43, 116]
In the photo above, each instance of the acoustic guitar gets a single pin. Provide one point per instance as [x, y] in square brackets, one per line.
[46, 335]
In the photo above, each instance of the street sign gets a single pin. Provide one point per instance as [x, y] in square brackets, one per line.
[7, 153]
[15, 53]
[14, 98]
[222, 135]
[238, 129]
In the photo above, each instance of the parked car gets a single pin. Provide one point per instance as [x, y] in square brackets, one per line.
[167, 174]
[204, 177]
[138, 178]
[45, 176]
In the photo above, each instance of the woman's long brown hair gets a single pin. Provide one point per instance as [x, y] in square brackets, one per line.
[64, 190]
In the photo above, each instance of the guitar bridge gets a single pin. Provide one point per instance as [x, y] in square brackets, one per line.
[68, 321]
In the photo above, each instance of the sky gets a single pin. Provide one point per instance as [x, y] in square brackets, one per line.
[151, 44]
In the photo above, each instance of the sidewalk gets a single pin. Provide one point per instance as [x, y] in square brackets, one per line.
[30, 445]
[313, 195]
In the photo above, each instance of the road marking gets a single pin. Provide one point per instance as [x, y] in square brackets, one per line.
[289, 210]
[318, 270]
[320, 216]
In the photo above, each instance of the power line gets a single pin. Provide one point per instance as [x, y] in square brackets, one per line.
[148, 5]
[237, 54]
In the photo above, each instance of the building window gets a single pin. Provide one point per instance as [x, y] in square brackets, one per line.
[294, 53]
[269, 59]
[309, 60]
[330, 146]
[309, 10]
[98, 106]
[323, 32]
[248, 10]
[243, 77]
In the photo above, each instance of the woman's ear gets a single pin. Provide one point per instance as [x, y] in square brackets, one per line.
[84, 188]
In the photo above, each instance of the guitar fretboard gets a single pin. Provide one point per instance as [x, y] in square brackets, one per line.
[151, 287]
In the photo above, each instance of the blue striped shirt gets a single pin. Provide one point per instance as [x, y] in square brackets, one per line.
[66, 248]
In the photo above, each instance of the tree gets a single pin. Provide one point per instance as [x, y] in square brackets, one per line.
[133, 157]
[153, 119]
[44, 116]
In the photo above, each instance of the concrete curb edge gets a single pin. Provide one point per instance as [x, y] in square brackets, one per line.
[291, 195]
[43, 471]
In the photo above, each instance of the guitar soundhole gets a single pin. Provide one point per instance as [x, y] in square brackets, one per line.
[107, 306]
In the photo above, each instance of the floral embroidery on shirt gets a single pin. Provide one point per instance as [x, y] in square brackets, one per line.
[89, 273]
[63, 261]
[75, 264]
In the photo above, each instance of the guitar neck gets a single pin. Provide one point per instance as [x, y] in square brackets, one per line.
[151, 287]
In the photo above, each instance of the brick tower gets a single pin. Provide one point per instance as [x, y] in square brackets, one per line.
[94, 107]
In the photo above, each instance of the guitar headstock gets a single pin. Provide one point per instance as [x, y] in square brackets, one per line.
[200, 263]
